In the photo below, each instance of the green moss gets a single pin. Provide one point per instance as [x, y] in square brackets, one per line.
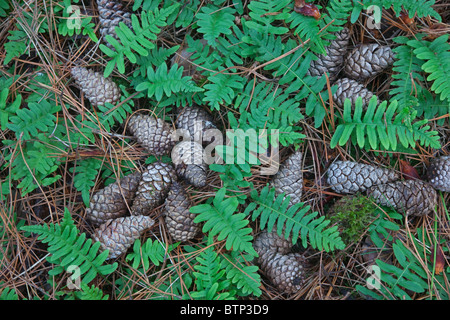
[353, 214]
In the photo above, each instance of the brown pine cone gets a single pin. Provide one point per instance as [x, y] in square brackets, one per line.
[154, 134]
[117, 235]
[153, 187]
[333, 60]
[438, 173]
[112, 201]
[285, 271]
[351, 177]
[111, 13]
[97, 89]
[351, 89]
[179, 221]
[195, 121]
[289, 178]
[187, 158]
[271, 241]
[412, 197]
[368, 60]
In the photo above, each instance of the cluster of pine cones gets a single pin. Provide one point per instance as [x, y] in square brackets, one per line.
[160, 184]
[357, 65]
[121, 210]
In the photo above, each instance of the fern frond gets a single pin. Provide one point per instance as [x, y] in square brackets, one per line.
[148, 252]
[265, 13]
[382, 127]
[421, 8]
[398, 282]
[214, 21]
[6, 111]
[243, 275]
[8, 294]
[138, 41]
[210, 278]
[156, 57]
[35, 165]
[436, 55]
[263, 107]
[68, 248]
[163, 82]
[221, 89]
[36, 118]
[221, 219]
[273, 209]
[91, 293]
[407, 74]
[85, 175]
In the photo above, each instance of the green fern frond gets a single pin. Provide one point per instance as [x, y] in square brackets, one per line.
[156, 57]
[220, 89]
[263, 107]
[221, 219]
[421, 8]
[398, 282]
[273, 209]
[214, 21]
[436, 55]
[8, 293]
[34, 165]
[382, 127]
[210, 277]
[265, 14]
[148, 252]
[85, 175]
[242, 274]
[407, 74]
[36, 118]
[68, 248]
[90, 293]
[162, 82]
[6, 111]
[138, 41]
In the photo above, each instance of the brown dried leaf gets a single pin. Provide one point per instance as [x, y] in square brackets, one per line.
[440, 260]
[408, 171]
[309, 10]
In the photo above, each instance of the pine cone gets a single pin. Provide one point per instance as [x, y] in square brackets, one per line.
[349, 88]
[333, 60]
[285, 271]
[351, 177]
[179, 221]
[117, 235]
[111, 13]
[195, 121]
[368, 60]
[153, 187]
[271, 241]
[289, 178]
[412, 197]
[112, 201]
[98, 89]
[154, 134]
[187, 157]
[438, 173]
